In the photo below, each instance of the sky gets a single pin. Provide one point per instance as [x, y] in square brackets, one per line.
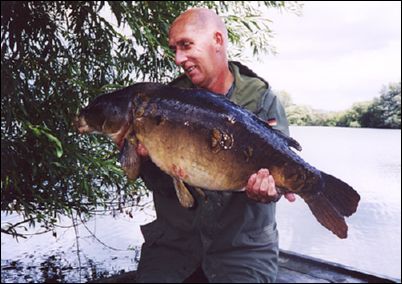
[334, 54]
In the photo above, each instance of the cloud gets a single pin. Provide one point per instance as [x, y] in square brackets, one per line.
[336, 54]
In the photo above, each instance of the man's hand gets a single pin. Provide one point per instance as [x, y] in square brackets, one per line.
[141, 150]
[261, 187]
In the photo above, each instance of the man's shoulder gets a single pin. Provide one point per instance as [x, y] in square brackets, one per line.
[245, 71]
[250, 89]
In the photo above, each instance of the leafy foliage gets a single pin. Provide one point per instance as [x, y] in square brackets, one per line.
[385, 111]
[58, 55]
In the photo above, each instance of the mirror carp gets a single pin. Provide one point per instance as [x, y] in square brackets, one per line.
[206, 141]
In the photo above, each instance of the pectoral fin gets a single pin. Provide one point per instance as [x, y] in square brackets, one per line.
[129, 159]
[183, 194]
[201, 193]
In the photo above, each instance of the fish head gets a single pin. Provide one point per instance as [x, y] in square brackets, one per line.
[107, 114]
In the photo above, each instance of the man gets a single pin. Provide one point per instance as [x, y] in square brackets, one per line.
[227, 236]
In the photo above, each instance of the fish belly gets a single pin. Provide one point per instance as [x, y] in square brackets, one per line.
[185, 153]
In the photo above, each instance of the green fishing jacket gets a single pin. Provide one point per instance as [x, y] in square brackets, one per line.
[232, 237]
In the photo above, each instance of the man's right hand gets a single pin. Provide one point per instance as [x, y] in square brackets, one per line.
[261, 187]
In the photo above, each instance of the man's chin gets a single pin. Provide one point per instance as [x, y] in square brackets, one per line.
[196, 80]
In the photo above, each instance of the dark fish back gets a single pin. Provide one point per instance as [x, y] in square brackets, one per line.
[205, 108]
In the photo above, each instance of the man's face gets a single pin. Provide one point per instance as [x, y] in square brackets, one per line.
[195, 52]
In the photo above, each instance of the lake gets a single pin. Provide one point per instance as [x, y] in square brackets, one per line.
[368, 159]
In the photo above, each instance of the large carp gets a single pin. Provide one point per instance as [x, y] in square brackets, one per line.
[208, 142]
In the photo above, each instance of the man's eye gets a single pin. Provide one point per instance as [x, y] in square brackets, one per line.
[186, 45]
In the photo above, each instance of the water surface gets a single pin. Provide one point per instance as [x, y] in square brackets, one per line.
[368, 159]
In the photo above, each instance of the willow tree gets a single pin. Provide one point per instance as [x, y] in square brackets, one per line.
[55, 57]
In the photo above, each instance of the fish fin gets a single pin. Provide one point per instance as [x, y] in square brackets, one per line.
[129, 159]
[289, 140]
[342, 196]
[333, 201]
[183, 194]
[201, 192]
[326, 214]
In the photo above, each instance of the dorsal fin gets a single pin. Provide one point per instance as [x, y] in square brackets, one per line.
[291, 142]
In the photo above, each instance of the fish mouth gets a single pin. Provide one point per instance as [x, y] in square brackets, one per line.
[81, 125]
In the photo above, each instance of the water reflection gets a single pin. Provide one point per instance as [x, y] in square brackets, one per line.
[46, 258]
[55, 268]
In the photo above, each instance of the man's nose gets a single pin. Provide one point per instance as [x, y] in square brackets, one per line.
[180, 57]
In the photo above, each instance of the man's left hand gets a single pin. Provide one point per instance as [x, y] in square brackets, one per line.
[261, 187]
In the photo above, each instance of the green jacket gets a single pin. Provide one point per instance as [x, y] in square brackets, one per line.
[232, 237]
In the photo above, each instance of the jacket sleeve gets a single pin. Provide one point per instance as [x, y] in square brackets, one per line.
[271, 109]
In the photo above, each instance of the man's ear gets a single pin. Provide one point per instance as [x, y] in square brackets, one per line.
[219, 41]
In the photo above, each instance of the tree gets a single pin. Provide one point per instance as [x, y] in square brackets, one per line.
[390, 105]
[353, 116]
[55, 57]
[300, 115]
[382, 112]
[385, 111]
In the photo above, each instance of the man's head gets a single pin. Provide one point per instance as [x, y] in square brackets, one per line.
[198, 37]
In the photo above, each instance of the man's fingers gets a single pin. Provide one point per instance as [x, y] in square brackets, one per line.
[271, 187]
[141, 150]
[251, 181]
[264, 187]
[261, 187]
[258, 181]
[290, 197]
[249, 188]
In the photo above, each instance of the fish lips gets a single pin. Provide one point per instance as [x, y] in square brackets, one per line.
[81, 125]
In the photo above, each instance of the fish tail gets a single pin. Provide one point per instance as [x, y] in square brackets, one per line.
[331, 202]
[341, 195]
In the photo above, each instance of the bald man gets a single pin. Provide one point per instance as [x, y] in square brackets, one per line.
[227, 236]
